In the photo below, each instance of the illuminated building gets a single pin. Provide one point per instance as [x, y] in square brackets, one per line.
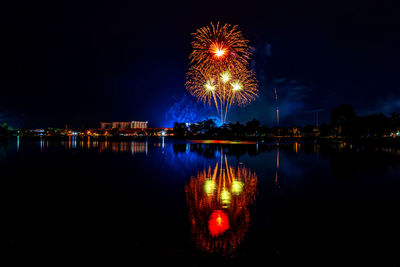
[124, 125]
[121, 125]
[139, 124]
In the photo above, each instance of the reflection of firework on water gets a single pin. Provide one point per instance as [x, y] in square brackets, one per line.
[219, 200]
[219, 68]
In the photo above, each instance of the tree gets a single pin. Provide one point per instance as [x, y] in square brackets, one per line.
[209, 125]
[308, 130]
[4, 130]
[343, 118]
[373, 125]
[180, 129]
[264, 131]
[196, 128]
[252, 127]
[325, 129]
[395, 121]
[238, 129]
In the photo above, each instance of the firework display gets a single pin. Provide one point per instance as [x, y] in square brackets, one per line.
[219, 71]
[219, 200]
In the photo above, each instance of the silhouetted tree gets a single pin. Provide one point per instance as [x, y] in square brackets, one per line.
[180, 129]
[225, 130]
[325, 130]
[373, 125]
[209, 125]
[252, 127]
[238, 129]
[264, 131]
[4, 130]
[308, 130]
[395, 121]
[343, 118]
[195, 128]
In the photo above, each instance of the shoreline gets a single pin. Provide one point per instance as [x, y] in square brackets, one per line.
[224, 140]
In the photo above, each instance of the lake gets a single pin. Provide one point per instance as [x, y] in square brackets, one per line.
[200, 202]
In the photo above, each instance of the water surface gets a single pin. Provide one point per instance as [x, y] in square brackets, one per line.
[200, 202]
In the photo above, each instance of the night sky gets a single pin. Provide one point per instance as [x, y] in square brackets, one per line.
[79, 63]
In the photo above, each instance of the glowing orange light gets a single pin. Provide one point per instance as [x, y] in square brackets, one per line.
[218, 223]
[218, 50]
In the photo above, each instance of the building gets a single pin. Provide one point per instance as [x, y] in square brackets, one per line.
[139, 124]
[106, 125]
[124, 125]
[121, 125]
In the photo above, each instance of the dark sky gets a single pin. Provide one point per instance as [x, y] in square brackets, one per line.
[82, 62]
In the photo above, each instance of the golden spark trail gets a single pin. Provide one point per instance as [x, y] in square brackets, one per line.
[219, 71]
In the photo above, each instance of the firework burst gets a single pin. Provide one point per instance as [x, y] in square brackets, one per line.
[203, 86]
[243, 88]
[216, 48]
[219, 73]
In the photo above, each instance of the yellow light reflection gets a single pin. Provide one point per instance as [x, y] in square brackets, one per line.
[237, 187]
[219, 200]
[225, 198]
[210, 187]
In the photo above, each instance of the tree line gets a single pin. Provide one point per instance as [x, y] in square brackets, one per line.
[5, 130]
[344, 123]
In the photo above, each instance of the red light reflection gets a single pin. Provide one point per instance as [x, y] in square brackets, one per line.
[218, 223]
[219, 200]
